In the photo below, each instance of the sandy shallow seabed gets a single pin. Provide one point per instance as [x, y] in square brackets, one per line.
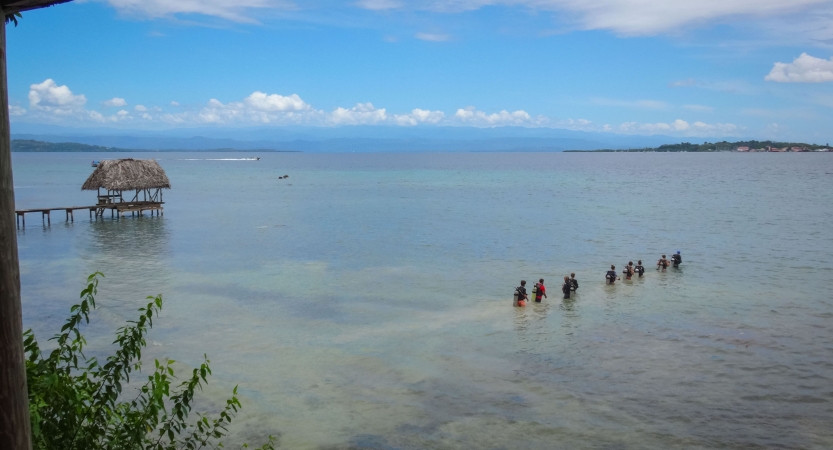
[366, 301]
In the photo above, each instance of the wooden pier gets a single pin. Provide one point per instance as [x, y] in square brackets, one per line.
[111, 180]
[116, 210]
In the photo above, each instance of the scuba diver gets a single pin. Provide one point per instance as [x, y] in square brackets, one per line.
[539, 290]
[566, 288]
[520, 294]
[663, 263]
[573, 282]
[640, 269]
[611, 275]
[629, 270]
[677, 259]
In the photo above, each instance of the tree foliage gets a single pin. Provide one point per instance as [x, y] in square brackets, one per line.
[79, 403]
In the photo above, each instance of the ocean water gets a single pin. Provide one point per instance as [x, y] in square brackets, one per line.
[365, 301]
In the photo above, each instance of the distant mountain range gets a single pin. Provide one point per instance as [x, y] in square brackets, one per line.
[33, 146]
[36, 138]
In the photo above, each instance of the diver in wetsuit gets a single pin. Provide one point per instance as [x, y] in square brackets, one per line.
[640, 269]
[520, 294]
[573, 282]
[611, 275]
[677, 259]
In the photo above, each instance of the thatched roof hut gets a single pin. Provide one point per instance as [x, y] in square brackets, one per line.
[127, 175]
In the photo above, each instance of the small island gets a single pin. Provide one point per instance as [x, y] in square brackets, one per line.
[725, 146]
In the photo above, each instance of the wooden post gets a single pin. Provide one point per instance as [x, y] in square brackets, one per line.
[15, 433]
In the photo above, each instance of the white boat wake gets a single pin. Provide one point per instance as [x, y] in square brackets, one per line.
[220, 159]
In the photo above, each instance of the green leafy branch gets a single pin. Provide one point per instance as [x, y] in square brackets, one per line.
[78, 404]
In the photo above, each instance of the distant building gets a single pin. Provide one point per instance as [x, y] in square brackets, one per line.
[778, 150]
[743, 149]
[798, 149]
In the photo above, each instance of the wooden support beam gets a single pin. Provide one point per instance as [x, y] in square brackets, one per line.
[15, 432]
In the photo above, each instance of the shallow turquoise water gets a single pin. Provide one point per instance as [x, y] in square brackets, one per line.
[365, 302]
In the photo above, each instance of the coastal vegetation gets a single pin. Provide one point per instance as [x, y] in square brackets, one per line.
[76, 402]
[722, 146]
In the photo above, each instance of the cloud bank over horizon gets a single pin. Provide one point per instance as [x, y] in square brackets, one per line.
[50, 103]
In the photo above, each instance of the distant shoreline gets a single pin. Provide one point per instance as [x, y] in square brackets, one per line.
[725, 146]
[31, 146]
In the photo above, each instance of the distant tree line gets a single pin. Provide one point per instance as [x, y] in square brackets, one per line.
[32, 146]
[722, 146]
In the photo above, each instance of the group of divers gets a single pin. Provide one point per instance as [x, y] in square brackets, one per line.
[571, 283]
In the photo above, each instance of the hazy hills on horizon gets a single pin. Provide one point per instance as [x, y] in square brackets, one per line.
[341, 139]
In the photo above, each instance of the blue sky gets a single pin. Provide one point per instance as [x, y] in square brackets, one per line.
[689, 68]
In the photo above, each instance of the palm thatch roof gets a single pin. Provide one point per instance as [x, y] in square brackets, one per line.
[127, 175]
[13, 6]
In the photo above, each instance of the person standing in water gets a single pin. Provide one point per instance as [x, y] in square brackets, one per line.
[640, 269]
[540, 290]
[520, 294]
[566, 288]
[611, 275]
[677, 259]
[662, 263]
[629, 270]
[573, 282]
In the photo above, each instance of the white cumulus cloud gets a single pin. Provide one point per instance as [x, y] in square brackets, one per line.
[258, 107]
[140, 108]
[48, 96]
[361, 114]
[15, 110]
[418, 116]
[275, 102]
[174, 103]
[804, 69]
[473, 116]
[115, 101]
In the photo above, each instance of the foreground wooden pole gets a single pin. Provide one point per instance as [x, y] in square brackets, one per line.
[14, 401]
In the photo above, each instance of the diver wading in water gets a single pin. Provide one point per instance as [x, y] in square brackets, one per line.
[677, 259]
[663, 263]
[611, 275]
[539, 290]
[520, 294]
[640, 269]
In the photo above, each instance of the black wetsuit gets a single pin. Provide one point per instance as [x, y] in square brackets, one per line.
[574, 284]
[629, 272]
[677, 260]
[565, 288]
[521, 293]
[611, 276]
[640, 269]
